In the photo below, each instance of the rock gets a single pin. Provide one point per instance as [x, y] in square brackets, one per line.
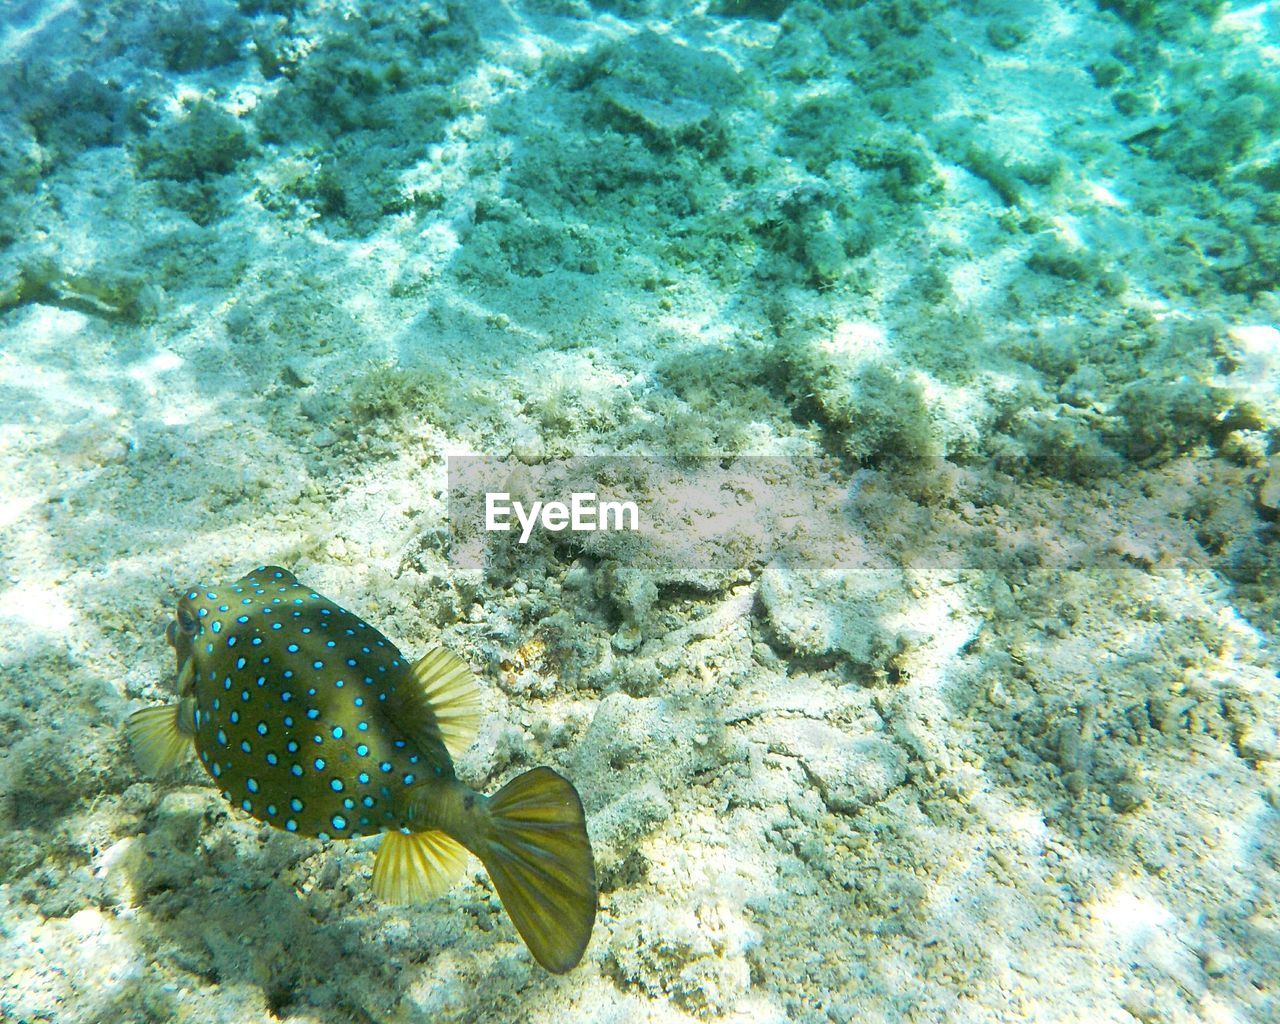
[849, 771]
[666, 94]
[698, 960]
[617, 829]
[825, 611]
[297, 374]
[165, 857]
[628, 589]
[665, 121]
[1259, 742]
[1269, 492]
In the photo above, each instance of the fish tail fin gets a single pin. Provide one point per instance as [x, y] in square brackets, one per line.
[536, 850]
[154, 736]
[414, 866]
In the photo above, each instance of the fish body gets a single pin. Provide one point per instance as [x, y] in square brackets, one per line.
[312, 721]
[290, 714]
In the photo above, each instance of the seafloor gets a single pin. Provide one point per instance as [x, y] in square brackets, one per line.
[1005, 272]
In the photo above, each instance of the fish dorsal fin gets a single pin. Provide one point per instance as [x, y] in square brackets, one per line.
[269, 574]
[446, 689]
[415, 866]
[158, 744]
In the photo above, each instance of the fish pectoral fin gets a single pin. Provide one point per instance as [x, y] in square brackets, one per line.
[416, 866]
[447, 692]
[539, 856]
[158, 744]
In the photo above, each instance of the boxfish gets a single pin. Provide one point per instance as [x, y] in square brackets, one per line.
[312, 721]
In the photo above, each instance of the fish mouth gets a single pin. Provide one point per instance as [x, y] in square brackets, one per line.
[186, 676]
[184, 651]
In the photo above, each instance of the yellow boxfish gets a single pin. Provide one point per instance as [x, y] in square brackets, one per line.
[312, 721]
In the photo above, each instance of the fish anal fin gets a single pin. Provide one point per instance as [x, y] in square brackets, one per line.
[416, 866]
[157, 742]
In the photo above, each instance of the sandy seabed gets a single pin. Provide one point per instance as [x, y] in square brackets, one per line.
[995, 282]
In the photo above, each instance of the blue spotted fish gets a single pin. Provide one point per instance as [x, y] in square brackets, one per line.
[312, 721]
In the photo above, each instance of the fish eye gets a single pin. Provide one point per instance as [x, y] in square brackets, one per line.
[186, 622]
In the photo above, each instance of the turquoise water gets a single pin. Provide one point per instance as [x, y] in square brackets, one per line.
[940, 347]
